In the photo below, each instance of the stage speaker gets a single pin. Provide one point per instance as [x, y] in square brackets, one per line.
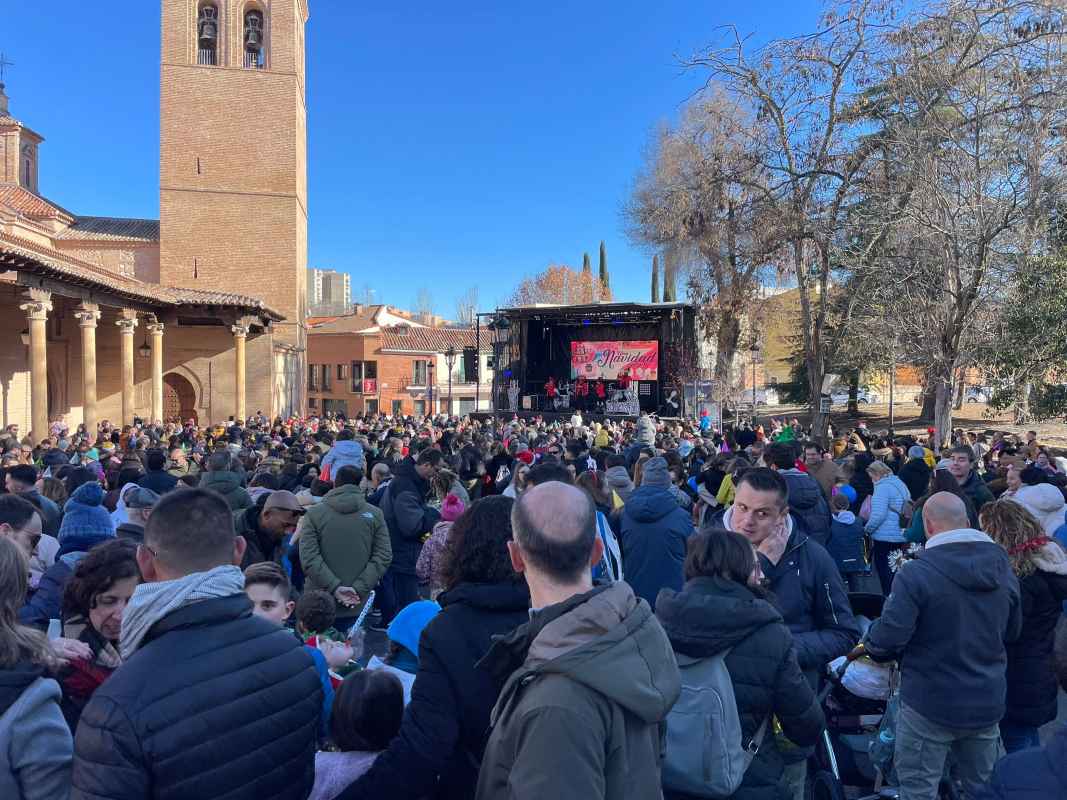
[470, 364]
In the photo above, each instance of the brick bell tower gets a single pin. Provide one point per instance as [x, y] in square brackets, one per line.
[233, 171]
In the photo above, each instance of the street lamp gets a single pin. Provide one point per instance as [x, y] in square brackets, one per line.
[450, 360]
[144, 351]
[429, 385]
[755, 355]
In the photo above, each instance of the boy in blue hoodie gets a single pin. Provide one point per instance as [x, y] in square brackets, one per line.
[846, 540]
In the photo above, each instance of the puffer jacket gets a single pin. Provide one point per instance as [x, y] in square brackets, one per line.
[228, 484]
[1045, 502]
[655, 531]
[443, 735]
[1032, 686]
[808, 503]
[35, 743]
[591, 682]
[407, 515]
[887, 503]
[344, 542]
[916, 476]
[214, 703]
[346, 453]
[711, 615]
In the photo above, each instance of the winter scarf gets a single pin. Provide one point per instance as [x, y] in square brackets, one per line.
[151, 602]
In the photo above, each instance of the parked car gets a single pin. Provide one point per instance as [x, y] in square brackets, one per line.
[865, 396]
[978, 394]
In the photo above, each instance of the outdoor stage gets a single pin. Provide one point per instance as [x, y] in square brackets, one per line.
[604, 359]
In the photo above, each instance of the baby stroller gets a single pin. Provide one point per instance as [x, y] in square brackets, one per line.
[853, 759]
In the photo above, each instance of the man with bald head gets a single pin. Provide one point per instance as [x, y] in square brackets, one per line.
[592, 674]
[946, 621]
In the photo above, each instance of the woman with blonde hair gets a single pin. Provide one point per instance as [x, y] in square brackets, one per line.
[890, 500]
[35, 743]
[1041, 567]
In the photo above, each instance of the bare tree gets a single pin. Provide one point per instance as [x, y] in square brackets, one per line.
[424, 306]
[559, 285]
[700, 199]
[467, 306]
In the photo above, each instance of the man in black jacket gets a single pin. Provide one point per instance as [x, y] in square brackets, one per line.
[156, 476]
[408, 518]
[802, 576]
[806, 498]
[916, 472]
[210, 701]
[951, 611]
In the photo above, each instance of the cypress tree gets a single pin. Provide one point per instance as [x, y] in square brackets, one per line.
[669, 269]
[587, 265]
[604, 267]
[655, 279]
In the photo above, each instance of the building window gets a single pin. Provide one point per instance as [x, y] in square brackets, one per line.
[313, 377]
[370, 406]
[396, 408]
[254, 39]
[207, 35]
[340, 372]
[326, 377]
[418, 373]
[313, 402]
[357, 377]
[420, 408]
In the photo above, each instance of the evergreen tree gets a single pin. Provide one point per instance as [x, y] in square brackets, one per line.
[655, 279]
[670, 266]
[587, 265]
[605, 285]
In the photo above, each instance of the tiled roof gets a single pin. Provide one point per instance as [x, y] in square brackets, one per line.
[23, 255]
[348, 323]
[429, 340]
[112, 229]
[29, 204]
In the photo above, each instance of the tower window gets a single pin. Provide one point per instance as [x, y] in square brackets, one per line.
[207, 35]
[254, 39]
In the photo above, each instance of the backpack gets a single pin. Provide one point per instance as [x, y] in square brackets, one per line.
[706, 756]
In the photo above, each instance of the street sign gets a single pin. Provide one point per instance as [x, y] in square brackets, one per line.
[824, 405]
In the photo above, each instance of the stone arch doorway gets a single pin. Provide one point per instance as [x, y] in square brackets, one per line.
[179, 398]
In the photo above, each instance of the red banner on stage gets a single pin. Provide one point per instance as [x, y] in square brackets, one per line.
[639, 360]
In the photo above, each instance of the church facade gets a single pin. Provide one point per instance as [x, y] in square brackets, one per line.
[199, 314]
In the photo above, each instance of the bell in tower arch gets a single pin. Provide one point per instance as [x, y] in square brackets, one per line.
[208, 27]
[254, 31]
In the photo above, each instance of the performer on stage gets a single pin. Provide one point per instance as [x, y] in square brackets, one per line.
[581, 392]
[550, 388]
[624, 379]
[601, 393]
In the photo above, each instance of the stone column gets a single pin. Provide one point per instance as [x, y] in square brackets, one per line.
[127, 322]
[155, 341]
[88, 314]
[37, 303]
[240, 334]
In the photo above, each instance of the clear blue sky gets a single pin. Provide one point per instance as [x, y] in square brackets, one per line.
[449, 146]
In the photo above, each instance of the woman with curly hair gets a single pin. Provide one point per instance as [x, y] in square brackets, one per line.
[1040, 564]
[93, 601]
[442, 739]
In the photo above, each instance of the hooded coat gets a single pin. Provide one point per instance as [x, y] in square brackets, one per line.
[655, 532]
[916, 476]
[1045, 502]
[591, 682]
[1032, 685]
[344, 542]
[345, 453]
[808, 503]
[951, 612]
[711, 615]
[35, 742]
[228, 484]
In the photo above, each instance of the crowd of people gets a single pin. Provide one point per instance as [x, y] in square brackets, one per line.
[621, 609]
